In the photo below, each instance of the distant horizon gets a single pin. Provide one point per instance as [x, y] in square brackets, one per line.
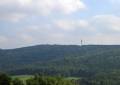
[61, 45]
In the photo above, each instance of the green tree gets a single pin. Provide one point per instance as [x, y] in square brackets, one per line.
[4, 79]
[48, 80]
[17, 81]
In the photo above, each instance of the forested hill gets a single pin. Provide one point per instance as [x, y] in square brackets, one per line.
[68, 60]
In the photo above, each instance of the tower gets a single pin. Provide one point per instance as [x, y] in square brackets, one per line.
[81, 42]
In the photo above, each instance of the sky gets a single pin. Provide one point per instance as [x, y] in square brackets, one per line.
[65, 22]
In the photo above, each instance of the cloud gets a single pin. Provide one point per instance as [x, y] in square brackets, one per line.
[3, 39]
[83, 23]
[18, 8]
[96, 25]
[4, 42]
[69, 6]
[106, 23]
[115, 5]
[26, 38]
[114, 1]
[65, 24]
[12, 17]
[99, 29]
[70, 25]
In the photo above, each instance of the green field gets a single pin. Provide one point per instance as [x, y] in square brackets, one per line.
[22, 77]
[74, 78]
[25, 77]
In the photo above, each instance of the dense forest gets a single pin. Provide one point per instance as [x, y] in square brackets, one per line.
[67, 60]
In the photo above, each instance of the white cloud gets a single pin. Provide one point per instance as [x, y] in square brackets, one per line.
[16, 3]
[106, 23]
[25, 2]
[71, 24]
[39, 7]
[100, 29]
[3, 39]
[83, 23]
[102, 39]
[26, 38]
[114, 1]
[69, 6]
[12, 17]
[32, 28]
[115, 5]
[65, 24]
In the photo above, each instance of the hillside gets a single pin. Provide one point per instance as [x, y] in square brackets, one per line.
[68, 60]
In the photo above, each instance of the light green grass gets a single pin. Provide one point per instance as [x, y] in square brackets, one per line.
[73, 78]
[26, 77]
[22, 77]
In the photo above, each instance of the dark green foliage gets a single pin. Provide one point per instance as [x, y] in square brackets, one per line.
[112, 78]
[67, 60]
[4, 79]
[17, 81]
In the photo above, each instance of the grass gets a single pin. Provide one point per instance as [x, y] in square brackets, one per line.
[73, 78]
[25, 77]
[22, 77]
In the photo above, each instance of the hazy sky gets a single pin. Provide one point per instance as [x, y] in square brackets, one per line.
[31, 22]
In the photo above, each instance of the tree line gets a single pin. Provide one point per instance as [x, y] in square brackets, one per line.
[36, 80]
[112, 78]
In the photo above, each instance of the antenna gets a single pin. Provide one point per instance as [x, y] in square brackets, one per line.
[81, 42]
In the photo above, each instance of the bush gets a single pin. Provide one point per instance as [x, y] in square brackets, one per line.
[4, 79]
[17, 81]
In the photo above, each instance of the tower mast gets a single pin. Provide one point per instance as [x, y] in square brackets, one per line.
[81, 42]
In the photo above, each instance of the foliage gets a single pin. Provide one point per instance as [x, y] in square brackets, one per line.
[67, 60]
[48, 80]
[4, 79]
[111, 78]
[17, 81]
[36, 80]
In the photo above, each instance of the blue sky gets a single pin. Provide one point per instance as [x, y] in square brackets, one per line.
[33, 22]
